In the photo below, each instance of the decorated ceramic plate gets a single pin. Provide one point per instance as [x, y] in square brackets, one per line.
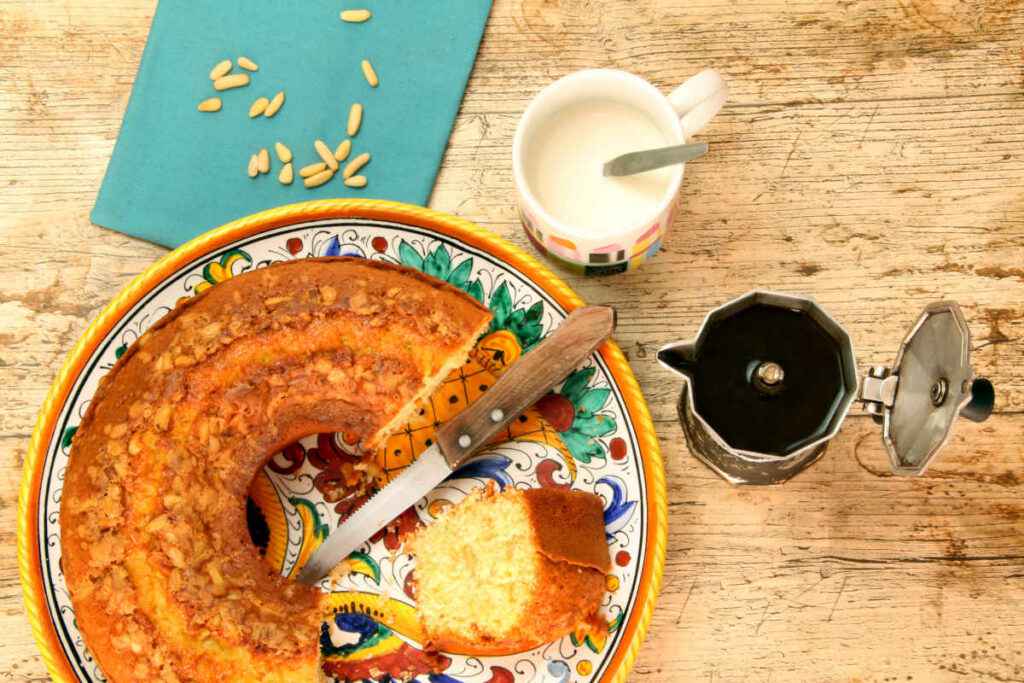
[592, 433]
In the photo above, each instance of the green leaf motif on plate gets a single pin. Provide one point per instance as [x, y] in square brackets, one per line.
[583, 435]
[408, 256]
[69, 434]
[438, 263]
[524, 323]
[575, 386]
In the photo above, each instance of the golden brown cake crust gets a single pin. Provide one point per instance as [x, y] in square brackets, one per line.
[156, 554]
[568, 529]
[569, 526]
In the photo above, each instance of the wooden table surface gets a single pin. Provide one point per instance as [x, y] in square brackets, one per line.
[871, 155]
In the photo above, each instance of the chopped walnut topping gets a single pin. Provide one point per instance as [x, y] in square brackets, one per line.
[328, 294]
[360, 304]
[212, 330]
[162, 419]
[176, 557]
[164, 362]
[203, 430]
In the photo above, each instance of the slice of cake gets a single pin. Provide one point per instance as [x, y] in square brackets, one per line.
[505, 572]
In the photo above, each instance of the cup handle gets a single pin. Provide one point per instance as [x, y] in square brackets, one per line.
[698, 100]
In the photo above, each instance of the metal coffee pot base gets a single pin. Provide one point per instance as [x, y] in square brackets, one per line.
[741, 468]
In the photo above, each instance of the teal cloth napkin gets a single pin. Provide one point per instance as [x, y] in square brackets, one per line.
[177, 172]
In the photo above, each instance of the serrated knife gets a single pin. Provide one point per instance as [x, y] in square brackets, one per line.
[457, 440]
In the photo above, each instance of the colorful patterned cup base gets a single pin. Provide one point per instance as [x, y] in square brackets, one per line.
[609, 260]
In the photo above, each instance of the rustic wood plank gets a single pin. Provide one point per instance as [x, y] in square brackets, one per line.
[871, 155]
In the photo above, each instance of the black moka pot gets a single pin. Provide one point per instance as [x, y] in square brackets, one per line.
[770, 378]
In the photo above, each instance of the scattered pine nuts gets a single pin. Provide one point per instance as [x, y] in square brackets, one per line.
[316, 174]
[283, 153]
[325, 153]
[232, 81]
[211, 104]
[258, 107]
[312, 169]
[318, 179]
[356, 164]
[355, 16]
[285, 177]
[275, 104]
[341, 153]
[221, 69]
[355, 118]
[370, 74]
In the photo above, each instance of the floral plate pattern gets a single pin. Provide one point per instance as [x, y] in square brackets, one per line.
[592, 433]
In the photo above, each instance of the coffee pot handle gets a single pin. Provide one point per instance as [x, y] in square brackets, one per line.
[983, 399]
[698, 100]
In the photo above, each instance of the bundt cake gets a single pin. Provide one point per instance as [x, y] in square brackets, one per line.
[163, 578]
[503, 573]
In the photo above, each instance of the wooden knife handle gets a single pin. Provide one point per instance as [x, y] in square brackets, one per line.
[525, 382]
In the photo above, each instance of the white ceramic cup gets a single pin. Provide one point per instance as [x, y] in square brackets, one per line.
[683, 113]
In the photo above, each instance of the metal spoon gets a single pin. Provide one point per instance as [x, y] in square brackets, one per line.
[650, 159]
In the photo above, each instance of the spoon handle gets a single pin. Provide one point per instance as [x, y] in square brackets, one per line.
[650, 159]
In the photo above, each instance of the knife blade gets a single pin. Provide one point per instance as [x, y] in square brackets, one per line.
[457, 440]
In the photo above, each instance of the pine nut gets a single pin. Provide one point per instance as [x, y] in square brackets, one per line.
[254, 165]
[341, 153]
[286, 176]
[312, 169]
[258, 107]
[248, 64]
[355, 118]
[325, 153]
[264, 161]
[356, 164]
[221, 69]
[232, 81]
[356, 181]
[211, 104]
[275, 104]
[283, 153]
[356, 16]
[318, 179]
[370, 74]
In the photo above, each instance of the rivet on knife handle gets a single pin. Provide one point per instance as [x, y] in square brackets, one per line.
[526, 381]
